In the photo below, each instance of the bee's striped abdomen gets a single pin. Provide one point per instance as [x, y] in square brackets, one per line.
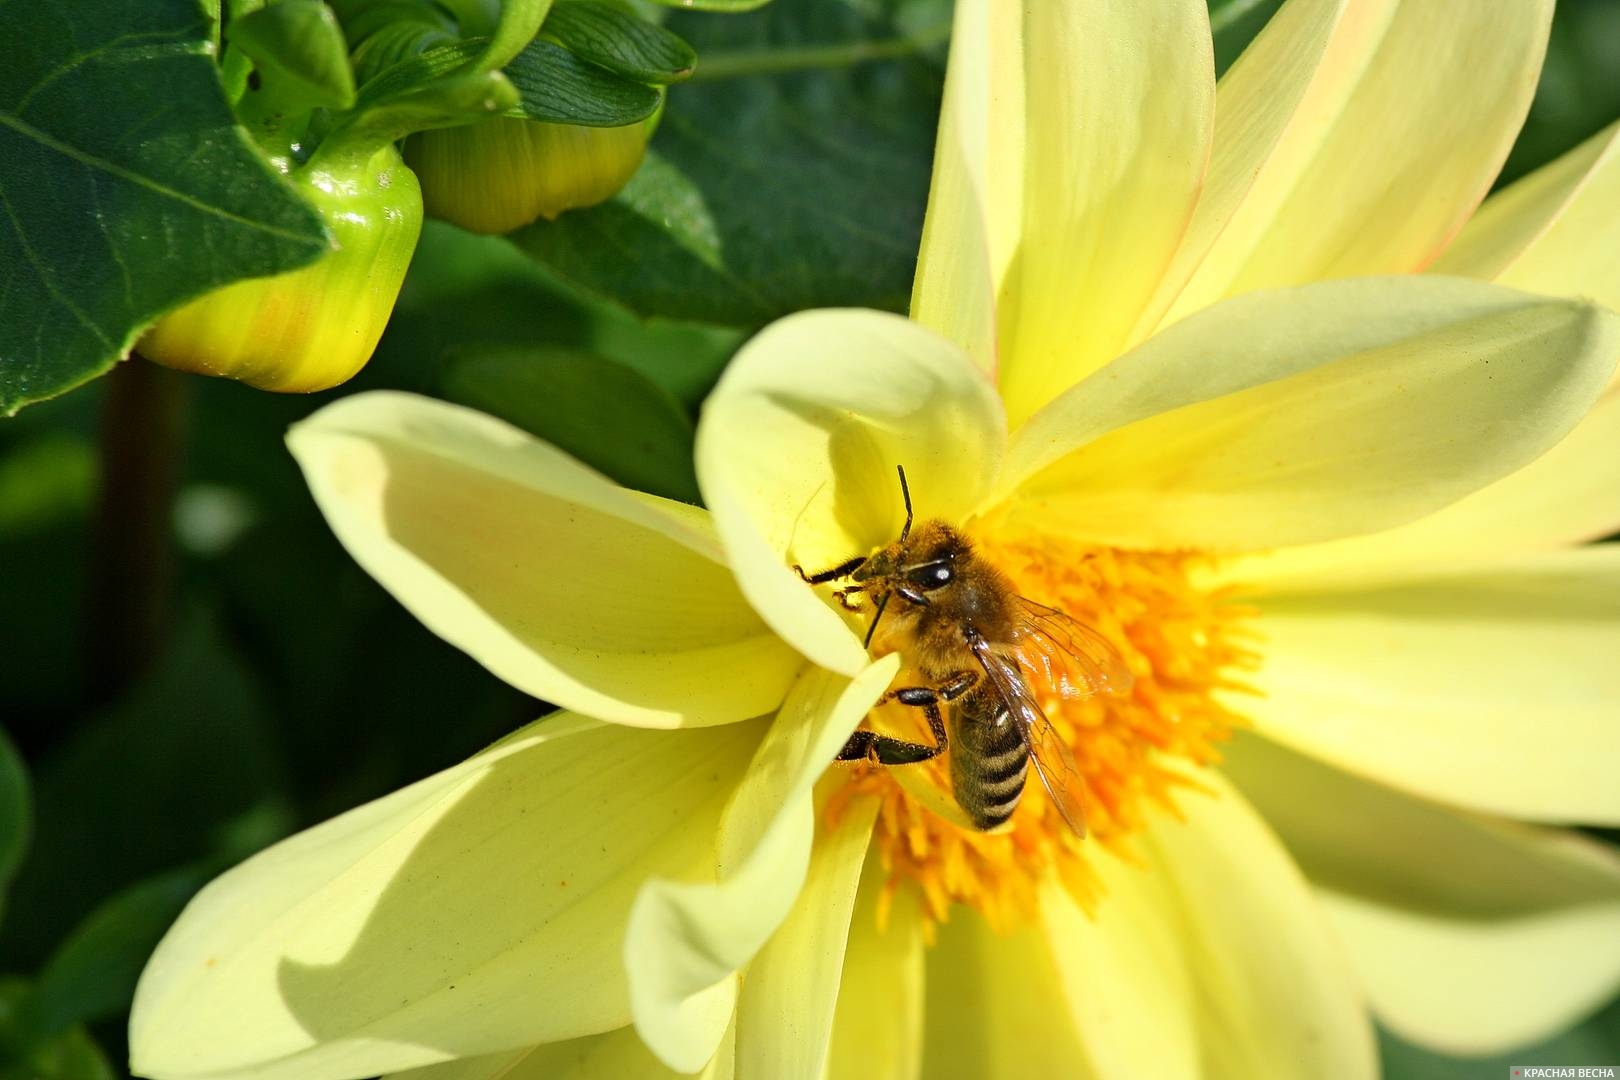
[989, 761]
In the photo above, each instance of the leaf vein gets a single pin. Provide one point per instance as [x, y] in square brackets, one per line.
[45, 275]
[16, 123]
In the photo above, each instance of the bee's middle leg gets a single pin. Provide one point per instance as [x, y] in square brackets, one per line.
[886, 749]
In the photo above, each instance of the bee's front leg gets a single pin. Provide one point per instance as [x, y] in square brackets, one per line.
[843, 569]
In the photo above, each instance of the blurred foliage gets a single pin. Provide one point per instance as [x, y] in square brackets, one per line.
[790, 172]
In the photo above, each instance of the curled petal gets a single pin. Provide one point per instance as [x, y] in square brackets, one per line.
[687, 939]
[1569, 495]
[421, 927]
[785, 1011]
[1471, 935]
[1555, 231]
[1300, 415]
[559, 581]
[616, 1055]
[797, 450]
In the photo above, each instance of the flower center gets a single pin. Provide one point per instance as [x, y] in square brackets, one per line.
[1182, 644]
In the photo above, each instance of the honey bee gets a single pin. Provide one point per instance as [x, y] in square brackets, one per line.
[985, 652]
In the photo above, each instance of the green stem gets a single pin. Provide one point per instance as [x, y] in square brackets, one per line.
[134, 569]
[737, 65]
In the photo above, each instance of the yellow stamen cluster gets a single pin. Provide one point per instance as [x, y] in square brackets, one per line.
[1181, 642]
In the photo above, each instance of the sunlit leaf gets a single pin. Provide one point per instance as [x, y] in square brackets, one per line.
[767, 194]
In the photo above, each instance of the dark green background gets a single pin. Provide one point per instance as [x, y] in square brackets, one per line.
[285, 686]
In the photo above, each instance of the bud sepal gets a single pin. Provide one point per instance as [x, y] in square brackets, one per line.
[312, 328]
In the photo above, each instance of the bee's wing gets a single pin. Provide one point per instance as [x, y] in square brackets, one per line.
[1066, 655]
[1059, 774]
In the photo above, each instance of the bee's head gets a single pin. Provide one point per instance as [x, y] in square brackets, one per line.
[922, 563]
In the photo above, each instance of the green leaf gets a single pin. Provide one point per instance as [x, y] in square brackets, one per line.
[387, 32]
[470, 290]
[299, 44]
[73, 1055]
[560, 88]
[620, 42]
[435, 89]
[92, 974]
[16, 813]
[127, 187]
[769, 194]
[520, 20]
[610, 417]
[45, 481]
[187, 753]
[714, 5]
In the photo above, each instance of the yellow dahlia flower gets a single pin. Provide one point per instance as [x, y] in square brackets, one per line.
[1172, 366]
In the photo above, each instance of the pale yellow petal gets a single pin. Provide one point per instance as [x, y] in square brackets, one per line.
[1569, 495]
[559, 581]
[1471, 935]
[995, 1006]
[1306, 414]
[1552, 232]
[1494, 689]
[1118, 103]
[481, 910]
[1126, 974]
[1556, 231]
[954, 290]
[798, 446]
[1257, 103]
[785, 1010]
[616, 1055]
[687, 939]
[1275, 995]
[1371, 162]
[878, 1023]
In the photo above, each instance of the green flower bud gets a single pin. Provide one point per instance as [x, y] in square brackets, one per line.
[499, 174]
[312, 328]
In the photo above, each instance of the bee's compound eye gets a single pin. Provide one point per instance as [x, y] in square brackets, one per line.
[931, 575]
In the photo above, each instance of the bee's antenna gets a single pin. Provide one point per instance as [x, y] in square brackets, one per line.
[905, 493]
[883, 603]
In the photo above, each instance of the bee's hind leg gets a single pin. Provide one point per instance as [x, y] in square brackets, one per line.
[887, 750]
